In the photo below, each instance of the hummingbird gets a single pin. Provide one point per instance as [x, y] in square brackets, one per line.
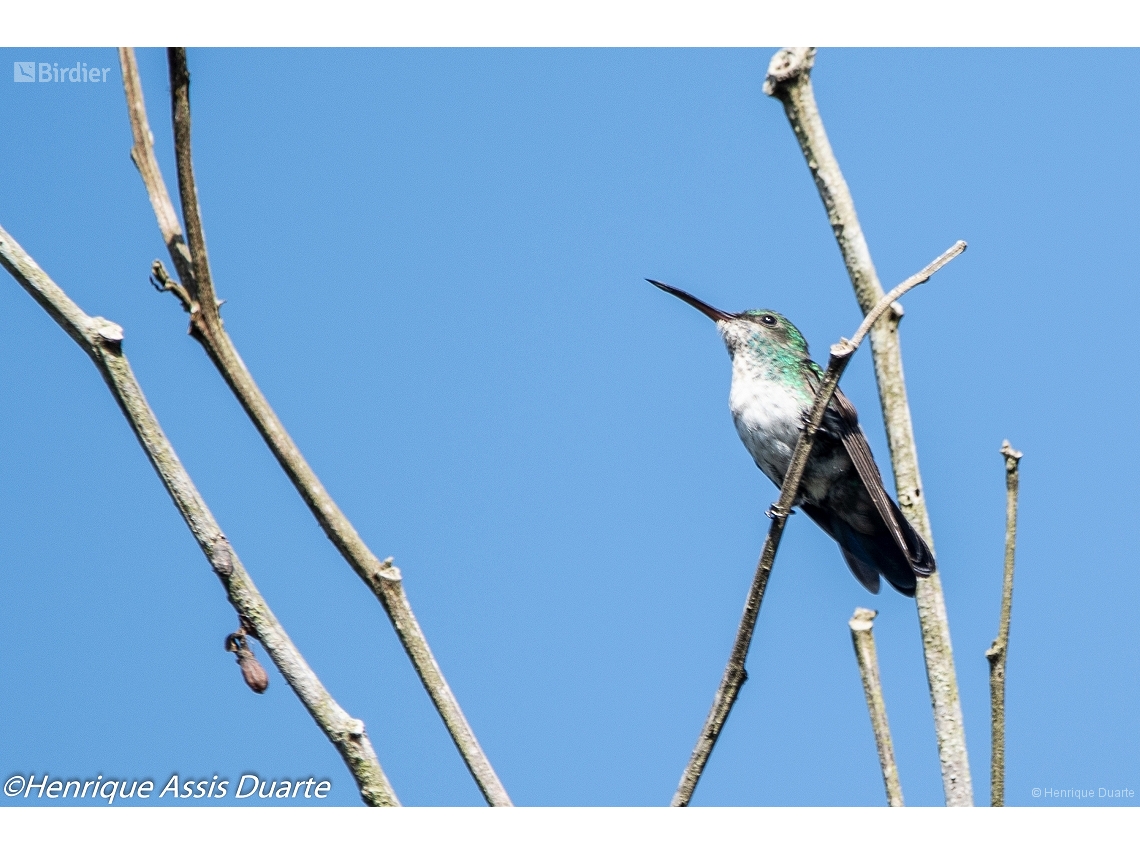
[774, 382]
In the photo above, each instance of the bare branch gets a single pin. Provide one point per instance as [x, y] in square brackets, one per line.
[734, 672]
[889, 300]
[999, 650]
[789, 79]
[862, 636]
[142, 153]
[382, 577]
[201, 286]
[102, 341]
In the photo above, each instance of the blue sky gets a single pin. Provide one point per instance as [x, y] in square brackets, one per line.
[434, 265]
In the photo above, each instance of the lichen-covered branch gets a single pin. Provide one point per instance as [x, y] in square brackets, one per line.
[863, 637]
[197, 294]
[734, 672]
[102, 341]
[999, 650]
[789, 80]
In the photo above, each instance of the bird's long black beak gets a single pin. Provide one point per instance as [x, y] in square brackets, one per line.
[699, 305]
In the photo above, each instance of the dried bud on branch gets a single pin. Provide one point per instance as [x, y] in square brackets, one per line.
[255, 676]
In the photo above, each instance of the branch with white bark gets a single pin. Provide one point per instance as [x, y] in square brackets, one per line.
[102, 340]
[862, 625]
[789, 80]
[198, 297]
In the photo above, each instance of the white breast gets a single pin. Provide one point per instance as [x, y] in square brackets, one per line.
[768, 416]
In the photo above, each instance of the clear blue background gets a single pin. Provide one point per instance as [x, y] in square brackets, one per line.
[433, 263]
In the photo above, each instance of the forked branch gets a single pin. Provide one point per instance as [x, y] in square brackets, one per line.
[734, 672]
[789, 80]
[191, 263]
[102, 341]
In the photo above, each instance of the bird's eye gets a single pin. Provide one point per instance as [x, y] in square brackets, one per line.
[768, 320]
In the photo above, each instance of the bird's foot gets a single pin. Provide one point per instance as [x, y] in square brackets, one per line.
[777, 511]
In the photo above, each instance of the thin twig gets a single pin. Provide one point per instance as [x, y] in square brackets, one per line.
[102, 341]
[734, 672]
[202, 284]
[999, 650]
[896, 292]
[789, 79]
[382, 577]
[142, 153]
[863, 637]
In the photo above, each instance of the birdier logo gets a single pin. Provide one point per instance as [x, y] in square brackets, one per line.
[51, 72]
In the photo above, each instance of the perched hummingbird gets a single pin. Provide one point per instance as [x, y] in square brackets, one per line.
[773, 387]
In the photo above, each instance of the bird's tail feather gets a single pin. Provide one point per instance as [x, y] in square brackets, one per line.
[869, 555]
[921, 558]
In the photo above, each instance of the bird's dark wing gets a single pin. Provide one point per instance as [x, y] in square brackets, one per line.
[842, 420]
[860, 453]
